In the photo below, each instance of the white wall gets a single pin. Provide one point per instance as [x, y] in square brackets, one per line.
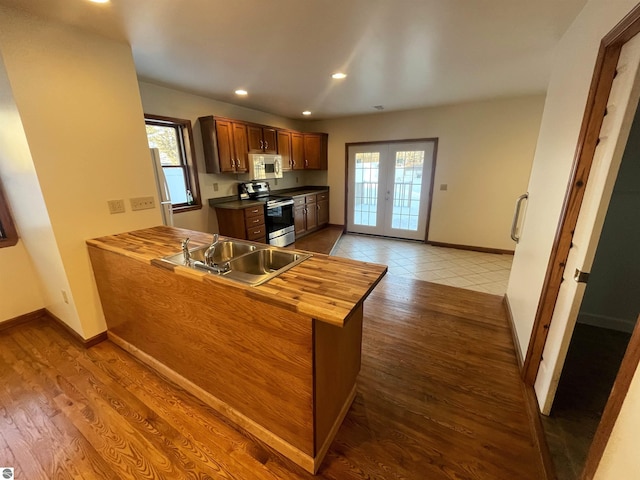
[159, 100]
[78, 101]
[485, 150]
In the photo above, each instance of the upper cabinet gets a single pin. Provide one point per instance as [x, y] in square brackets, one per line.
[262, 139]
[227, 143]
[309, 151]
[284, 149]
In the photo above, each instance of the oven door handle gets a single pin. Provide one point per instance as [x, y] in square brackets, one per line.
[280, 203]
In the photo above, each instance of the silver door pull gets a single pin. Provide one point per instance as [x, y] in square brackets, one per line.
[516, 216]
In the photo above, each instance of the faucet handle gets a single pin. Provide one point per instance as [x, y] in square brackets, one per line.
[185, 250]
[215, 237]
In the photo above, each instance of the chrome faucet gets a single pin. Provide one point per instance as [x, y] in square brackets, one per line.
[185, 251]
[208, 255]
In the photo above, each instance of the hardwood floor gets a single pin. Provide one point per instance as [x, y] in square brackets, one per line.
[439, 397]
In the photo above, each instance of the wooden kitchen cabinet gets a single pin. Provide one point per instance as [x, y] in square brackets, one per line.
[309, 151]
[284, 149]
[309, 214]
[322, 202]
[244, 224]
[225, 145]
[262, 139]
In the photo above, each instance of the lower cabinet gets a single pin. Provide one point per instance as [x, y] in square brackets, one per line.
[245, 224]
[311, 211]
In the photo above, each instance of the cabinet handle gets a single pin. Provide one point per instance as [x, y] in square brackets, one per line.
[256, 220]
[306, 162]
[255, 232]
[317, 207]
[293, 163]
[262, 145]
[266, 145]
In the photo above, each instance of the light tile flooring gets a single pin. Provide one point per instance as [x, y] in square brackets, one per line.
[483, 272]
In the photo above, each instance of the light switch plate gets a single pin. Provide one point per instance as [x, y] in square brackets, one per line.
[142, 203]
[116, 206]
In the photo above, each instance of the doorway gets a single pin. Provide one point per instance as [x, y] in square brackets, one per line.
[606, 319]
[390, 187]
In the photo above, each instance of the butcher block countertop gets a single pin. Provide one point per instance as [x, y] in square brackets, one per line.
[325, 288]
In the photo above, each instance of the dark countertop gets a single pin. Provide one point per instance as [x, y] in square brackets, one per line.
[232, 203]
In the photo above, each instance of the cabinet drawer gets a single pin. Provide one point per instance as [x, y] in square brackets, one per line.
[323, 196]
[298, 201]
[310, 198]
[254, 211]
[256, 233]
[256, 221]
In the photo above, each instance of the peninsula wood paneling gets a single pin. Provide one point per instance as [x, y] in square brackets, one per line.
[257, 360]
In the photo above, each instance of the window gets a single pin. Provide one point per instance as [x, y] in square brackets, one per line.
[8, 234]
[174, 139]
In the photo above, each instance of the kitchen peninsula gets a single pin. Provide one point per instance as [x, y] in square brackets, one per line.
[279, 359]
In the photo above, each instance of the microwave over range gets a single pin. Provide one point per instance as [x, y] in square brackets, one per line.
[264, 167]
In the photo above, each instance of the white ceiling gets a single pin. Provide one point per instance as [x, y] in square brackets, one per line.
[401, 54]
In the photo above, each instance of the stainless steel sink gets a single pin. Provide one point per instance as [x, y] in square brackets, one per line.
[262, 265]
[242, 262]
[225, 251]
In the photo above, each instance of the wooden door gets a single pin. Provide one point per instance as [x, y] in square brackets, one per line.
[270, 142]
[226, 148]
[284, 149]
[254, 138]
[620, 111]
[241, 146]
[297, 151]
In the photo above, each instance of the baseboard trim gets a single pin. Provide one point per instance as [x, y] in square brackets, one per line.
[86, 343]
[470, 247]
[514, 332]
[21, 319]
[537, 430]
[611, 323]
[43, 313]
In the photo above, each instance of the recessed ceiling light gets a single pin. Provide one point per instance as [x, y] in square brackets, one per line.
[339, 75]
[99, 1]
[241, 92]
[306, 112]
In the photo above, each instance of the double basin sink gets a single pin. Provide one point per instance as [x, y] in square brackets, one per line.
[243, 262]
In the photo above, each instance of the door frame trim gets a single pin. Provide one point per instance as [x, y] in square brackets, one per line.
[434, 140]
[604, 73]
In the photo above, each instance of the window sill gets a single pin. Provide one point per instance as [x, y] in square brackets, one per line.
[186, 208]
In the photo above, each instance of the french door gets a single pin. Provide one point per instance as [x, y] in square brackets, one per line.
[390, 188]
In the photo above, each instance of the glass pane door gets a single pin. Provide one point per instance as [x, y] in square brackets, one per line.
[389, 189]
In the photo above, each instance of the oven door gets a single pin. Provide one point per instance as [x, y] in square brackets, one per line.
[280, 226]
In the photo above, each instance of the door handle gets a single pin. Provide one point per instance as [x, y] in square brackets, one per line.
[516, 217]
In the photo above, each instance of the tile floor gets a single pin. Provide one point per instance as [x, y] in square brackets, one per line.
[483, 272]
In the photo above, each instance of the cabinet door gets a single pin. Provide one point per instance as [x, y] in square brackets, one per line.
[315, 153]
[269, 138]
[210, 144]
[254, 137]
[226, 155]
[284, 149]
[312, 212]
[300, 219]
[297, 151]
[323, 212]
[241, 146]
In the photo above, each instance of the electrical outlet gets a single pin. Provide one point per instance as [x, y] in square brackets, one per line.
[215, 187]
[116, 206]
[443, 186]
[142, 203]
[65, 296]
